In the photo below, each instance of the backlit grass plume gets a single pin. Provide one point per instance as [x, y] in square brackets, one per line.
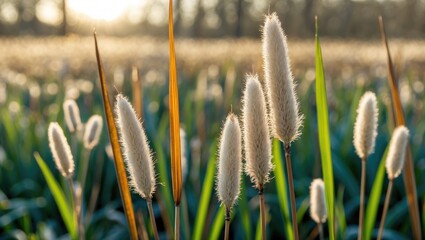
[318, 210]
[286, 120]
[364, 142]
[257, 141]
[137, 154]
[394, 164]
[92, 131]
[366, 125]
[61, 150]
[72, 115]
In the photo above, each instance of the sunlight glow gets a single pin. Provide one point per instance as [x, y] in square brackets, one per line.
[106, 10]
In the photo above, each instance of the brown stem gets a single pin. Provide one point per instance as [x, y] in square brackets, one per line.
[384, 213]
[263, 213]
[152, 216]
[291, 190]
[362, 190]
[227, 224]
[177, 223]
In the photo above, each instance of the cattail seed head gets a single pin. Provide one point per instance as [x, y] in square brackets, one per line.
[61, 150]
[137, 154]
[256, 133]
[72, 115]
[284, 114]
[318, 210]
[366, 125]
[397, 152]
[230, 162]
[92, 131]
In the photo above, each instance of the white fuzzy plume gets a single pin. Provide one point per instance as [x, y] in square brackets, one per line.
[137, 154]
[229, 162]
[397, 152]
[318, 210]
[285, 118]
[365, 126]
[61, 150]
[92, 131]
[256, 133]
[72, 115]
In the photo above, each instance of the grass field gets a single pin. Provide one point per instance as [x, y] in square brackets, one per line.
[38, 74]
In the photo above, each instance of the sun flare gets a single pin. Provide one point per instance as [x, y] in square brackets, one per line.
[106, 10]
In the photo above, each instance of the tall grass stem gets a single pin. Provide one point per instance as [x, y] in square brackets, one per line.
[362, 190]
[263, 213]
[227, 224]
[74, 208]
[152, 216]
[384, 213]
[291, 190]
[320, 226]
[177, 222]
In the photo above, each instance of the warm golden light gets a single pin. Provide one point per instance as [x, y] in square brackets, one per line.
[106, 10]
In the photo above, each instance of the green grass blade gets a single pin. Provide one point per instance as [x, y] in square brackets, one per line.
[244, 211]
[58, 195]
[374, 198]
[218, 224]
[281, 188]
[207, 189]
[258, 229]
[324, 136]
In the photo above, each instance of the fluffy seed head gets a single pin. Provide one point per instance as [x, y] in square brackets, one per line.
[366, 125]
[92, 131]
[318, 210]
[230, 162]
[284, 114]
[72, 115]
[137, 154]
[183, 153]
[61, 151]
[397, 152]
[256, 133]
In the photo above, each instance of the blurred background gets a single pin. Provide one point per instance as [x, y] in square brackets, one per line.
[210, 18]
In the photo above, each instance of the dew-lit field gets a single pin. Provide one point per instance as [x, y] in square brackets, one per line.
[38, 74]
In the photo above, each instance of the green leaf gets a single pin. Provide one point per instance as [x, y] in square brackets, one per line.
[217, 226]
[281, 188]
[59, 196]
[324, 136]
[207, 189]
[374, 198]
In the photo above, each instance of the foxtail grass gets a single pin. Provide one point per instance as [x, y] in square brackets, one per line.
[394, 165]
[286, 120]
[364, 142]
[257, 143]
[229, 167]
[318, 210]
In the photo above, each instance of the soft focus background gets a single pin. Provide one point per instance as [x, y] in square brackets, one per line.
[47, 56]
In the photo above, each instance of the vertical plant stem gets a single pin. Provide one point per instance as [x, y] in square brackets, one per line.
[291, 190]
[227, 224]
[84, 167]
[177, 222]
[362, 190]
[320, 226]
[95, 189]
[262, 212]
[74, 208]
[152, 216]
[384, 213]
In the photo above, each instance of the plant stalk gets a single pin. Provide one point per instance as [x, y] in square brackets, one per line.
[227, 224]
[84, 167]
[362, 190]
[291, 190]
[152, 216]
[177, 222]
[320, 226]
[384, 213]
[263, 213]
[74, 202]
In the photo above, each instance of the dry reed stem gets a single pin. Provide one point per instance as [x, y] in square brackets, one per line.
[362, 190]
[384, 213]
[152, 217]
[263, 213]
[291, 190]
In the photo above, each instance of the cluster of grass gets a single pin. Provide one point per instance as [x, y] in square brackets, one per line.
[28, 205]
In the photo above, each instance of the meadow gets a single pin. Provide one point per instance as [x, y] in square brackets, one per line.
[38, 74]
